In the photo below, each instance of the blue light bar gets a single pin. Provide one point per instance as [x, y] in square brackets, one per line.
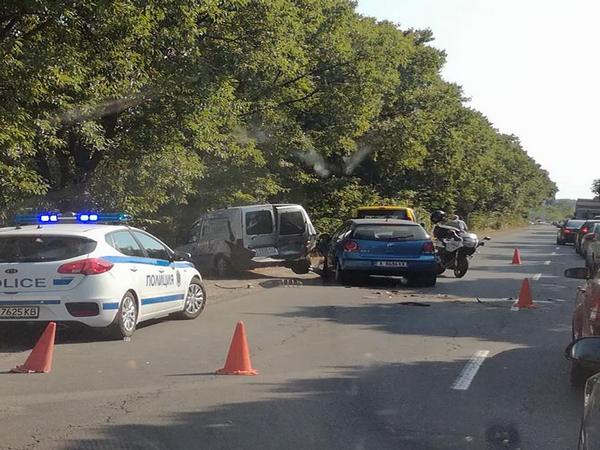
[33, 219]
[92, 217]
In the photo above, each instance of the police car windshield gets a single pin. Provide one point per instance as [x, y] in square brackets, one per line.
[43, 248]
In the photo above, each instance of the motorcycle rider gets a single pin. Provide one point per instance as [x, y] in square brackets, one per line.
[442, 227]
[455, 221]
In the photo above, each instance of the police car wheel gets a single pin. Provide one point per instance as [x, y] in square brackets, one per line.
[195, 300]
[126, 319]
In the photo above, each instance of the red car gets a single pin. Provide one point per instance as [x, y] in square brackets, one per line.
[586, 317]
[568, 231]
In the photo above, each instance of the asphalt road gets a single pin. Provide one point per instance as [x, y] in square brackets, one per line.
[374, 366]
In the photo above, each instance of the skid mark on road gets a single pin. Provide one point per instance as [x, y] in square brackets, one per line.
[465, 378]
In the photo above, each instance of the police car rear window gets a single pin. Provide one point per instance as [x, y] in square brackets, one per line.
[42, 248]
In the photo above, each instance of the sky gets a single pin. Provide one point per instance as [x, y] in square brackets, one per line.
[531, 66]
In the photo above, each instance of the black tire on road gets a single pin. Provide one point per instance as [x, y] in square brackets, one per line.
[126, 319]
[462, 265]
[300, 267]
[195, 301]
[325, 273]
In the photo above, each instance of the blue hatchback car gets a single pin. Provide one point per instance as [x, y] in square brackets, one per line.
[389, 247]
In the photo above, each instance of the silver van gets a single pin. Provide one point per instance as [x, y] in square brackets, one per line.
[247, 237]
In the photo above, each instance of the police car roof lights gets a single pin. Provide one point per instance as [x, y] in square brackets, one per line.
[83, 217]
[99, 217]
[34, 219]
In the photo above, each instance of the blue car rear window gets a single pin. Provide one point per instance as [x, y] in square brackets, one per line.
[388, 232]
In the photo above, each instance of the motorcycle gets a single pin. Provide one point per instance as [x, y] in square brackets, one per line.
[454, 248]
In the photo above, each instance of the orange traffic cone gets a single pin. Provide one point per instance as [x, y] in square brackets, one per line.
[516, 257]
[238, 358]
[40, 358]
[525, 300]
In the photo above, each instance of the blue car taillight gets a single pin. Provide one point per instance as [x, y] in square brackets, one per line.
[428, 247]
[351, 246]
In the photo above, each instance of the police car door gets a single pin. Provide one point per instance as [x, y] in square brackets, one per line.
[131, 271]
[163, 289]
[259, 231]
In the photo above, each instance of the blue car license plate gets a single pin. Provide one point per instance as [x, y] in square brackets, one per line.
[390, 263]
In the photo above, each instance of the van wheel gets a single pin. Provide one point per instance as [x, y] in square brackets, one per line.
[126, 320]
[300, 267]
[222, 267]
[195, 300]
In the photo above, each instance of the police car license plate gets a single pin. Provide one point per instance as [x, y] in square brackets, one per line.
[390, 263]
[266, 251]
[19, 312]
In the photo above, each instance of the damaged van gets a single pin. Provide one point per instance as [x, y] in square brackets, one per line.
[247, 237]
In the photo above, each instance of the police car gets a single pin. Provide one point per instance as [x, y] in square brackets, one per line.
[94, 269]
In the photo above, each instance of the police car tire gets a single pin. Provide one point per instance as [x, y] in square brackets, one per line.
[189, 315]
[118, 330]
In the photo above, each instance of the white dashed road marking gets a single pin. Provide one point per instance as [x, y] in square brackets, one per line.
[536, 277]
[547, 263]
[557, 248]
[465, 378]
[553, 253]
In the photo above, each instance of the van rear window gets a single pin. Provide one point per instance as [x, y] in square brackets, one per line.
[377, 232]
[43, 248]
[291, 222]
[375, 214]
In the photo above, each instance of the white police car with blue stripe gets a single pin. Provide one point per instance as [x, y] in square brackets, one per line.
[93, 269]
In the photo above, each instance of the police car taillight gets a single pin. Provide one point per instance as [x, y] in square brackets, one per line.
[89, 266]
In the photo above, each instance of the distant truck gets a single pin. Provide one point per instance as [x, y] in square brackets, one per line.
[587, 209]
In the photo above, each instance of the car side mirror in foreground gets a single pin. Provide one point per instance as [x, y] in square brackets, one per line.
[585, 351]
[579, 273]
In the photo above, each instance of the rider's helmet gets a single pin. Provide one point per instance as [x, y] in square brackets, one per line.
[437, 216]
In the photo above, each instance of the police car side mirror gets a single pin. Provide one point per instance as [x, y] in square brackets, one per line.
[178, 255]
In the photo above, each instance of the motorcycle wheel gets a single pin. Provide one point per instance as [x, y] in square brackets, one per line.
[462, 265]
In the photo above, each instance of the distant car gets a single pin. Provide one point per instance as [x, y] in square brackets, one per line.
[390, 212]
[585, 228]
[363, 247]
[568, 231]
[585, 352]
[77, 269]
[252, 236]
